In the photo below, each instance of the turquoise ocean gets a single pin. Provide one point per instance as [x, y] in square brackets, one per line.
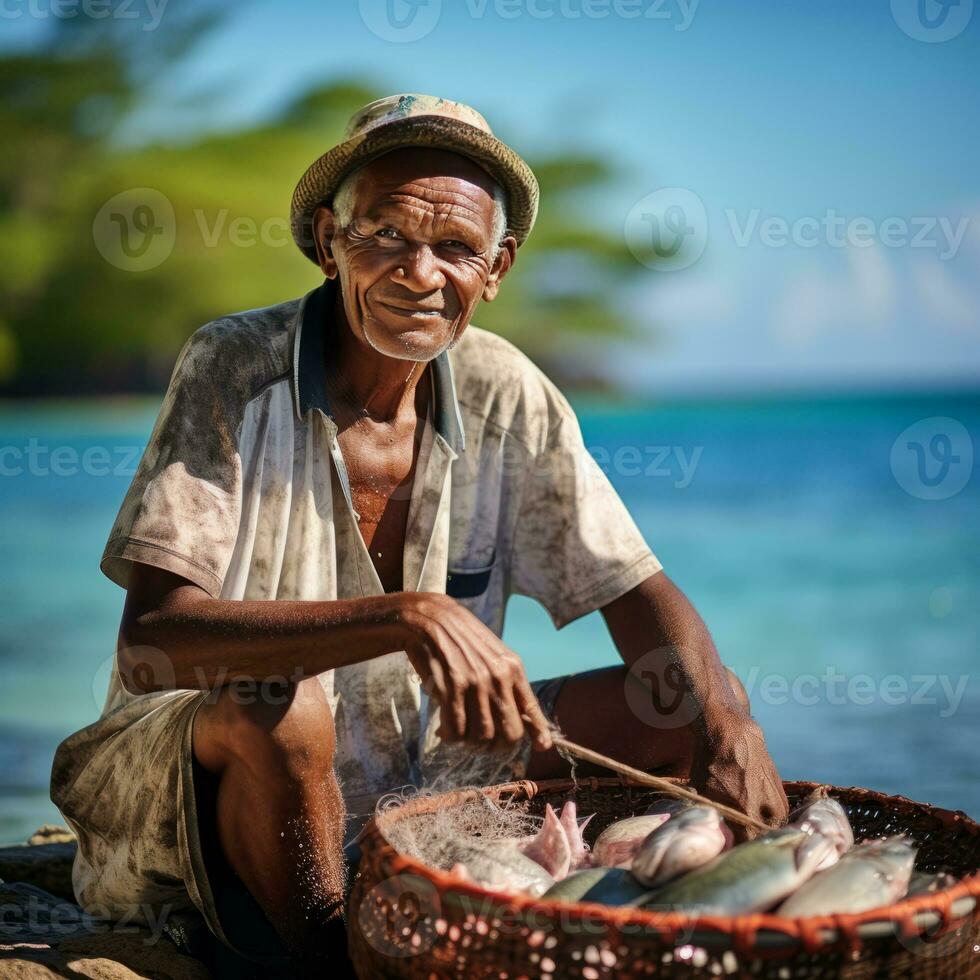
[833, 551]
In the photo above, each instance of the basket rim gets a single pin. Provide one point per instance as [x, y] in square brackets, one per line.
[757, 932]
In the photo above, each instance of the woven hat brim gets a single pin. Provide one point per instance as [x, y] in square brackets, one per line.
[325, 174]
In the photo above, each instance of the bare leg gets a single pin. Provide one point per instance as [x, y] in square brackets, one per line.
[279, 810]
[592, 710]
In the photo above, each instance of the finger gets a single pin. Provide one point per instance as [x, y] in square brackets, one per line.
[479, 715]
[510, 726]
[435, 686]
[454, 708]
[535, 719]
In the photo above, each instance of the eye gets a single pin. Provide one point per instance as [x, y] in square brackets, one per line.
[389, 233]
[456, 245]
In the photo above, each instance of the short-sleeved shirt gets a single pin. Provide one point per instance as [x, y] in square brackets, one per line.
[242, 490]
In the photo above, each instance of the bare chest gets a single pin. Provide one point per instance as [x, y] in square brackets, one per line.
[381, 467]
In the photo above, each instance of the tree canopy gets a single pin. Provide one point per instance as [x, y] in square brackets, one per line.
[75, 322]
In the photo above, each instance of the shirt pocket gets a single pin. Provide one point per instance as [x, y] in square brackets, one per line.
[468, 582]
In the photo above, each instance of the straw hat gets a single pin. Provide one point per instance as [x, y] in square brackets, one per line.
[415, 120]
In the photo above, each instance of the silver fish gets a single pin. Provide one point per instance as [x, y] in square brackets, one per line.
[820, 814]
[608, 886]
[686, 842]
[617, 845]
[500, 866]
[749, 878]
[870, 875]
[924, 883]
[669, 805]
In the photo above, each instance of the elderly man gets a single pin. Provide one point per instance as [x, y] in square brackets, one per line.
[338, 497]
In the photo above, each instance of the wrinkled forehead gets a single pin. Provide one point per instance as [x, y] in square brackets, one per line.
[421, 175]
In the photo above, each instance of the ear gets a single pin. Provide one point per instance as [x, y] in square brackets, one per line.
[324, 229]
[502, 264]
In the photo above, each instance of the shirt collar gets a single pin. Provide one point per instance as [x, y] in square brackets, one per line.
[309, 381]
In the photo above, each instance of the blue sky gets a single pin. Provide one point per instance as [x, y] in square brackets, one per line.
[804, 112]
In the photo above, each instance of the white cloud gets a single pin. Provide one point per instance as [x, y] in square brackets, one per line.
[864, 295]
[944, 299]
[688, 299]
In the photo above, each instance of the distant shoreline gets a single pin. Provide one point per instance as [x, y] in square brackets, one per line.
[964, 389]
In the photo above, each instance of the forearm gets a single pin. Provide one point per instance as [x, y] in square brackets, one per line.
[668, 649]
[190, 640]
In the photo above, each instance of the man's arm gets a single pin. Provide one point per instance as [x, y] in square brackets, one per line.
[174, 635]
[667, 648]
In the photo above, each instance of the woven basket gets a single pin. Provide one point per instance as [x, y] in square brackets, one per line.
[410, 920]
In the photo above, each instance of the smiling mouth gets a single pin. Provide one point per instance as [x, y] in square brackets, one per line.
[412, 312]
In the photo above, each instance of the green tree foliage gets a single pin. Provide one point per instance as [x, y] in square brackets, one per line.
[75, 323]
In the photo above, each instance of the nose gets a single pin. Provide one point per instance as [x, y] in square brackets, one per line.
[419, 271]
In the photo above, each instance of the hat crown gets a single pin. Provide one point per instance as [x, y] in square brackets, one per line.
[395, 107]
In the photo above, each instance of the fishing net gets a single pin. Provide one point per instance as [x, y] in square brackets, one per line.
[434, 835]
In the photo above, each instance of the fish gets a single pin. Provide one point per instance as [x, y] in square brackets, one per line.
[868, 876]
[617, 845]
[749, 878]
[926, 883]
[499, 866]
[580, 854]
[687, 841]
[530, 864]
[550, 846]
[669, 805]
[821, 814]
[607, 886]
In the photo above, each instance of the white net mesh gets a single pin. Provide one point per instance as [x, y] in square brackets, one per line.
[437, 837]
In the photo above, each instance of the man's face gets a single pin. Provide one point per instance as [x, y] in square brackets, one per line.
[418, 252]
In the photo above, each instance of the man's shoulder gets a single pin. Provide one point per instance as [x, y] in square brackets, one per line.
[247, 350]
[498, 383]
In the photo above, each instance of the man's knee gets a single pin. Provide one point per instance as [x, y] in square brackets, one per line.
[741, 695]
[283, 725]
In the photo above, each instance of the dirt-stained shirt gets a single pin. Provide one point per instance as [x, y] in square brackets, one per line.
[242, 490]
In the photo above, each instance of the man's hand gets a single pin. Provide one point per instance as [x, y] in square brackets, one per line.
[479, 683]
[732, 765]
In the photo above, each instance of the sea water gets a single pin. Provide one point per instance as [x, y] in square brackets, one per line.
[801, 528]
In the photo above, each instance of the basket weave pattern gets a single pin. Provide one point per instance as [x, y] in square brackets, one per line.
[409, 920]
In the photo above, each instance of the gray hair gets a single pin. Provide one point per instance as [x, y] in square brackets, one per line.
[343, 207]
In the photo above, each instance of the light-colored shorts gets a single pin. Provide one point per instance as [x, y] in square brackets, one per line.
[126, 786]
